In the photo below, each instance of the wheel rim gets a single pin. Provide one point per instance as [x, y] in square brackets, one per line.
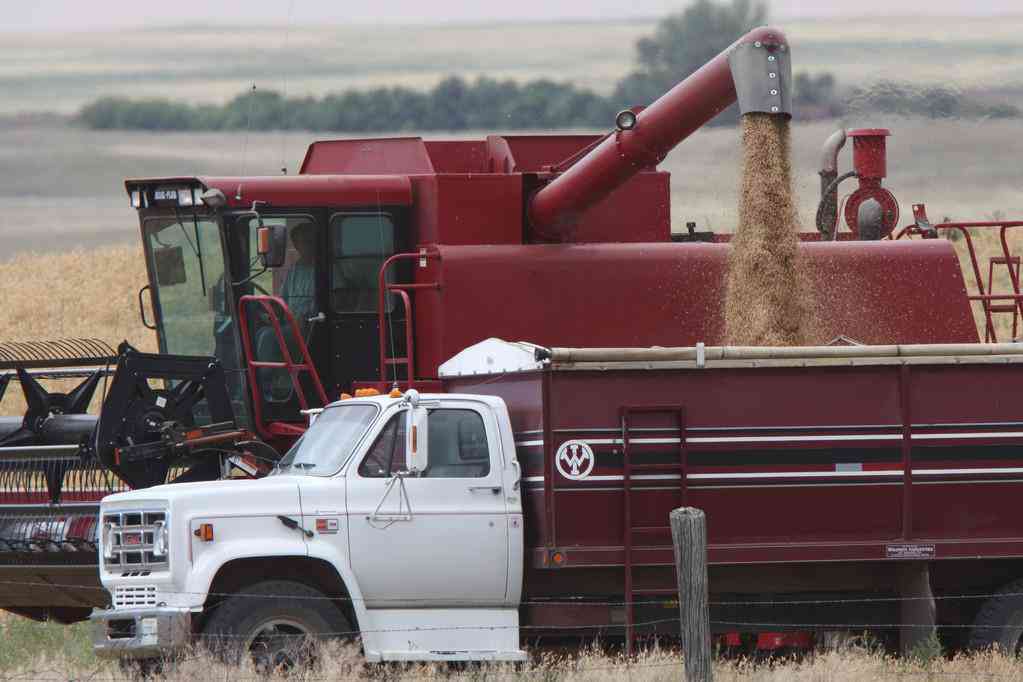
[279, 644]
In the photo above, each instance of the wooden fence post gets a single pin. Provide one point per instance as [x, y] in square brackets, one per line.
[689, 536]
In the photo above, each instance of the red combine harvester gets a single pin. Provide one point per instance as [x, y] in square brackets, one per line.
[890, 449]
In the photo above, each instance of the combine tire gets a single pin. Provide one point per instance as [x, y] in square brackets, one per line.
[999, 622]
[278, 623]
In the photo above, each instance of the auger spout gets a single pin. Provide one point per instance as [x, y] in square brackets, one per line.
[756, 71]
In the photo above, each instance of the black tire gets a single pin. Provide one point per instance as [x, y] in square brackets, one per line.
[999, 623]
[141, 668]
[277, 622]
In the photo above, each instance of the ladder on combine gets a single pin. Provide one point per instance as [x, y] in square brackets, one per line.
[274, 309]
[1011, 264]
[650, 453]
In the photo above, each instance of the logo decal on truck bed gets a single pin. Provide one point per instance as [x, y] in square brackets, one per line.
[575, 460]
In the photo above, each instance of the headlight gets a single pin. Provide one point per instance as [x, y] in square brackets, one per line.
[108, 541]
[160, 539]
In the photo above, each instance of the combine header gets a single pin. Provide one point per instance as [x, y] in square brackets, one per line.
[57, 462]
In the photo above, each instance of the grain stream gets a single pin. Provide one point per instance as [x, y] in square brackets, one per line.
[767, 299]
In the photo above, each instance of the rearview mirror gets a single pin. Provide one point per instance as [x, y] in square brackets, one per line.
[416, 440]
[272, 244]
[169, 262]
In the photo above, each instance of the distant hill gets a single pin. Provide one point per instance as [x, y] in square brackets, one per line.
[61, 72]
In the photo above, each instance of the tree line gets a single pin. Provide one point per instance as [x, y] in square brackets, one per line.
[681, 43]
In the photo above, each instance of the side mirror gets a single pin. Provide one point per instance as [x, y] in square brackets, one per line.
[416, 440]
[272, 244]
[169, 262]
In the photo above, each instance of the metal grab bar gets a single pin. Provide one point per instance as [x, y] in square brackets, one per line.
[268, 304]
[402, 290]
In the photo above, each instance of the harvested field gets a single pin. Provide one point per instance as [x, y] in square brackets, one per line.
[767, 296]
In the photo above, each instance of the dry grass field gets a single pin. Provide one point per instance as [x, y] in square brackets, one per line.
[50, 652]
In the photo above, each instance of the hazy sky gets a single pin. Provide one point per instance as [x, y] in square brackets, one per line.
[84, 15]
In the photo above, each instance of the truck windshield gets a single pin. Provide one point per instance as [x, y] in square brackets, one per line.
[330, 441]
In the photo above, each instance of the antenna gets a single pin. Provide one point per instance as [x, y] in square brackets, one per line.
[248, 129]
[284, 91]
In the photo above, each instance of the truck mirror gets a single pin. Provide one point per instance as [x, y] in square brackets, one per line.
[169, 262]
[416, 440]
[272, 244]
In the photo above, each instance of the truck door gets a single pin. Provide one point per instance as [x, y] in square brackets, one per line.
[359, 244]
[440, 539]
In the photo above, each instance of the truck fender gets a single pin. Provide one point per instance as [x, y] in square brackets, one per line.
[339, 560]
[206, 566]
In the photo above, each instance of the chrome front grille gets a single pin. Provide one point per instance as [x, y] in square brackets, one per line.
[131, 596]
[135, 541]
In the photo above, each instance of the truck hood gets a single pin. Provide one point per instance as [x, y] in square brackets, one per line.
[278, 494]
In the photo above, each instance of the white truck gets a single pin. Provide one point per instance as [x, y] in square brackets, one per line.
[374, 523]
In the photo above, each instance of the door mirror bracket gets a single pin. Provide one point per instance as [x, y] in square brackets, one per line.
[416, 439]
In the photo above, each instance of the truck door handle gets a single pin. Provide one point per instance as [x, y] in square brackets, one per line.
[496, 489]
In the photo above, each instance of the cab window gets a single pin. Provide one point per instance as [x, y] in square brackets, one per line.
[362, 242]
[387, 456]
[458, 447]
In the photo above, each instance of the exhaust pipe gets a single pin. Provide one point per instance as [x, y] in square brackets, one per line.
[827, 209]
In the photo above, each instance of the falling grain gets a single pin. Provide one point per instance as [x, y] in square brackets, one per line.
[767, 296]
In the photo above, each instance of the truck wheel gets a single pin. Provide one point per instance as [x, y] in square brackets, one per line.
[1000, 621]
[277, 623]
[141, 668]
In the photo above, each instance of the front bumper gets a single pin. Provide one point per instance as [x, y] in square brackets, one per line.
[140, 633]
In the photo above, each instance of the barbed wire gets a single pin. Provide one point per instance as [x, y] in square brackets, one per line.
[561, 600]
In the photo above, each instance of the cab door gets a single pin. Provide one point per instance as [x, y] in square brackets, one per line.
[440, 539]
[300, 284]
[360, 242]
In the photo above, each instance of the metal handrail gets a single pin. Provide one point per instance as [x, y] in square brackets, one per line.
[983, 296]
[268, 303]
[402, 290]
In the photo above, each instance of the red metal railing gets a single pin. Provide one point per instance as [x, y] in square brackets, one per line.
[1012, 302]
[402, 291]
[269, 304]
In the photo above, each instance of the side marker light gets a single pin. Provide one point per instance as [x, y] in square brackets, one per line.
[204, 532]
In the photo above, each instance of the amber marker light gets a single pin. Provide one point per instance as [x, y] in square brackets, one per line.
[204, 532]
[395, 393]
[366, 392]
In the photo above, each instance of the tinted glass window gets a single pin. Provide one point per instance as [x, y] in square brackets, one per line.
[458, 445]
[361, 244]
[387, 456]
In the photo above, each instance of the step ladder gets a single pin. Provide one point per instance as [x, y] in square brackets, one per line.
[999, 306]
[671, 442]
